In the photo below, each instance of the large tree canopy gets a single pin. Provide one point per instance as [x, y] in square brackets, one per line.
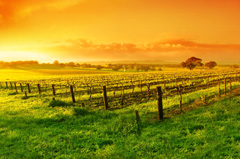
[211, 64]
[191, 63]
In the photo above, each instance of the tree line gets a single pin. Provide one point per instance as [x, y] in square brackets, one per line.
[192, 62]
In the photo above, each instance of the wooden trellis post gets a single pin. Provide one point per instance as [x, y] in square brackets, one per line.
[122, 96]
[39, 88]
[137, 116]
[16, 87]
[21, 87]
[160, 104]
[225, 86]
[148, 91]
[11, 85]
[230, 85]
[53, 89]
[180, 94]
[29, 89]
[72, 93]
[105, 97]
[219, 89]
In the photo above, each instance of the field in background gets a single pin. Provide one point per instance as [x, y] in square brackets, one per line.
[40, 72]
[26, 74]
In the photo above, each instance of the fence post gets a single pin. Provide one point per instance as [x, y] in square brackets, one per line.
[72, 93]
[6, 85]
[148, 91]
[122, 96]
[180, 94]
[39, 88]
[219, 89]
[137, 116]
[141, 86]
[225, 86]
[105, 97]
[53, 89]
[160, 105]
[208, 82]
[230, 85]
[29, 89]
[11, 85]
[16, 87]
[90, 92]
[21, 87]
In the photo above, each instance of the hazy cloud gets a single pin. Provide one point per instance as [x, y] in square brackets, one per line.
[172, 50]
[13, 10]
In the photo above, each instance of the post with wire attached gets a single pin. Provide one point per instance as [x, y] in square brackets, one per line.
[230, 85]
[105, 97]
[225, 86]
[11, 85]
[39, 88]
[137, 116]
[219, 89]
[29, 89]
[53, 89]
[160, 105]
[72, 93]
[21, 87]
[180, 95]
[15, 85]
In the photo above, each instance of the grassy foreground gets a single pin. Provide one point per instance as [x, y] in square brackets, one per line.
[31, 129]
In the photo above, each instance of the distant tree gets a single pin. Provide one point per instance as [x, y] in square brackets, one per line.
[70, 64]
[138, 68]
[234, 66]
[85, 65]
[191, 63]
[56, 62]
[153, 68]
[115, 68]
[110, 66]
[146, 68]
[99, 67]
[159, 69]
[131, 66]
[183, 64]
[61, 64]
[211, 64]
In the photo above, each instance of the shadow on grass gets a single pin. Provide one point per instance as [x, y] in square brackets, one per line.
[59, 103]
[12, 94]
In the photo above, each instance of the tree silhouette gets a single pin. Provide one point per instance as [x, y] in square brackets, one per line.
[56, 62]
[191, 63]
[211, 64]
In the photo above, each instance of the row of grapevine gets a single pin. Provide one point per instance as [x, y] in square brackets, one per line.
[121, 90]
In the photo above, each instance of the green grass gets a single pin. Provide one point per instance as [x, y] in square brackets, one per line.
[31, 129]
[58, 103]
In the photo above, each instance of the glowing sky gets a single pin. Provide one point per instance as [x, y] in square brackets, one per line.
[89, 30]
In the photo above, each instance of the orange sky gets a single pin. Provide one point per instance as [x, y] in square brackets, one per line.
[89, 30]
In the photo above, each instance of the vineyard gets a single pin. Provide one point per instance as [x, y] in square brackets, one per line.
[117, 115]
[115, 91]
